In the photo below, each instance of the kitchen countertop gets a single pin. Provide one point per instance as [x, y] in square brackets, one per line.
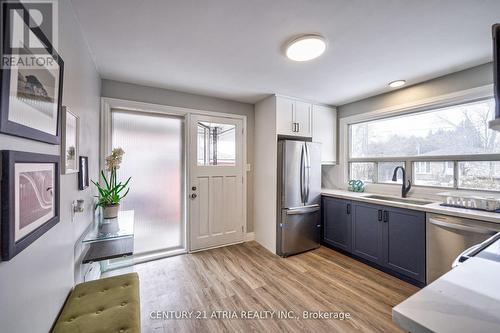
[434, 207]
[466, 299]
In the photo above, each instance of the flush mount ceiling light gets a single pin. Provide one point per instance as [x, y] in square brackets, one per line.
[305, 47]
[396, 84]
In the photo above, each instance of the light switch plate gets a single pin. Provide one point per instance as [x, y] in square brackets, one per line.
[249, 167]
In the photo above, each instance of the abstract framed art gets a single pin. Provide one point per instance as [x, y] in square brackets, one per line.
[70, 141]
[83, 174]
[31, 94]
[30, 199]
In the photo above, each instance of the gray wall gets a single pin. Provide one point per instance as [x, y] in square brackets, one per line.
[35, 283]
[139, 93]
[466, 79]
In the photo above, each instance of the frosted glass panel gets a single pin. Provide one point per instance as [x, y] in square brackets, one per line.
[153, 158]
[216, 144]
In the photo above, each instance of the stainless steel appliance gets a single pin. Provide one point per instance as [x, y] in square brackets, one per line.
[447, 237]
[489, 249]
[299, 197]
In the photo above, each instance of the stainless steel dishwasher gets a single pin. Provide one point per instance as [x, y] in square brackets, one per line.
[448, 236]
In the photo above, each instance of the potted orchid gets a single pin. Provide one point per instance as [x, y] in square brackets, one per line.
[112, 191]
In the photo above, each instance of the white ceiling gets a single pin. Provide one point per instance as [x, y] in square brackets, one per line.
[233, 48]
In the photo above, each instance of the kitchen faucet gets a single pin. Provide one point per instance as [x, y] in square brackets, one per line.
[404, 189]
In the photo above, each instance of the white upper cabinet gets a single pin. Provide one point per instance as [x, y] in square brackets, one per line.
[293, 118]
[303, 118]
[324, 130]
[285, 123]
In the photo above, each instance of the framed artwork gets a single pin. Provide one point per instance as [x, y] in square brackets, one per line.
[70, 141]
[83, 175]
[31, 95]
[30, 199]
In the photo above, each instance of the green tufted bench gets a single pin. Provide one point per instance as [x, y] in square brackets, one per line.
[102, 306]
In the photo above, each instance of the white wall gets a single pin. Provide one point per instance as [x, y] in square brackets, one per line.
[133, 92]
[467, 79]
[266, 182]
[35, 283]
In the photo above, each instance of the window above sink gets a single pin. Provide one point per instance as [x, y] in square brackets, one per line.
[443, 147]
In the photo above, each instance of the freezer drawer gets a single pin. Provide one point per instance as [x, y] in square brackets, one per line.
[299, 230]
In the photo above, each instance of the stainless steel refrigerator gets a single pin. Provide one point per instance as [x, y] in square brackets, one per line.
[299, 197]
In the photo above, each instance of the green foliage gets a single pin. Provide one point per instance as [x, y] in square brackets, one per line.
[110, 193]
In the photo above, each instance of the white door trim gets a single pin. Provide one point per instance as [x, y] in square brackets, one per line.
[108, 103]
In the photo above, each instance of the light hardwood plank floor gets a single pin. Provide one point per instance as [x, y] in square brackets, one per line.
[247, 277]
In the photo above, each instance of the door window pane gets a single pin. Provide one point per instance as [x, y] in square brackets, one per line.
[428, 173]
[386, 170]
[153, 147]
[216, 144]
[457, 130]
[363, 171]
[479, 175]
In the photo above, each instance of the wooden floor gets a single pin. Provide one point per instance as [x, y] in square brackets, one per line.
[247, 277]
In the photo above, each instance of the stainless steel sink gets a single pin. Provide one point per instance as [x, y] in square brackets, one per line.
[402, 200]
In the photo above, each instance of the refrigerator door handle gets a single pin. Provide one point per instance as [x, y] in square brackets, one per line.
[302, 210]
[302, 175]
[308, 170]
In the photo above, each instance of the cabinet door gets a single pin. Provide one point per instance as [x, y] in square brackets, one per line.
[337, 223]
[404, 242]
[303, 118]
[285, 116]
[367, 232]
[324, 131]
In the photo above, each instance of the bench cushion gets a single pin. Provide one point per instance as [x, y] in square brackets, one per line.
[105, 305]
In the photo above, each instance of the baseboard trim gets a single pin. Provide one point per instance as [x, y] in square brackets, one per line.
[249, 236]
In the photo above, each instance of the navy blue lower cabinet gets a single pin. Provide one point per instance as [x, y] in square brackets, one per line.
[367, 232]
[337, 223]
[404, 242]
[389, 238]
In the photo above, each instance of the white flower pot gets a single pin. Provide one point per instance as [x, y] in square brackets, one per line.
[111, 211]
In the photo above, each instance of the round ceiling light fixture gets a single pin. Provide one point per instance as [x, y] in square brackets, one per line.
[305, 47]
[397, 83]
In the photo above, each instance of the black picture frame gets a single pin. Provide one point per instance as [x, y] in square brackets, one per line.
[13, 128]
[10, 247]
[83, 173]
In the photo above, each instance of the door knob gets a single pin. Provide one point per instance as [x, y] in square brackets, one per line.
[193, 196]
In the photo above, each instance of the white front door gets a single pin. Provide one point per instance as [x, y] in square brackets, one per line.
[216, 181]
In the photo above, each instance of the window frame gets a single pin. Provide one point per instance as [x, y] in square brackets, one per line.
[485, 93]
[426, 164]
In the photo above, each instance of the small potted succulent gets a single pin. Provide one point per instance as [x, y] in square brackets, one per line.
[112, 191]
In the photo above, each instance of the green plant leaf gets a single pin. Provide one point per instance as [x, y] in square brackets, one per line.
[105, 180]
[123, 196]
